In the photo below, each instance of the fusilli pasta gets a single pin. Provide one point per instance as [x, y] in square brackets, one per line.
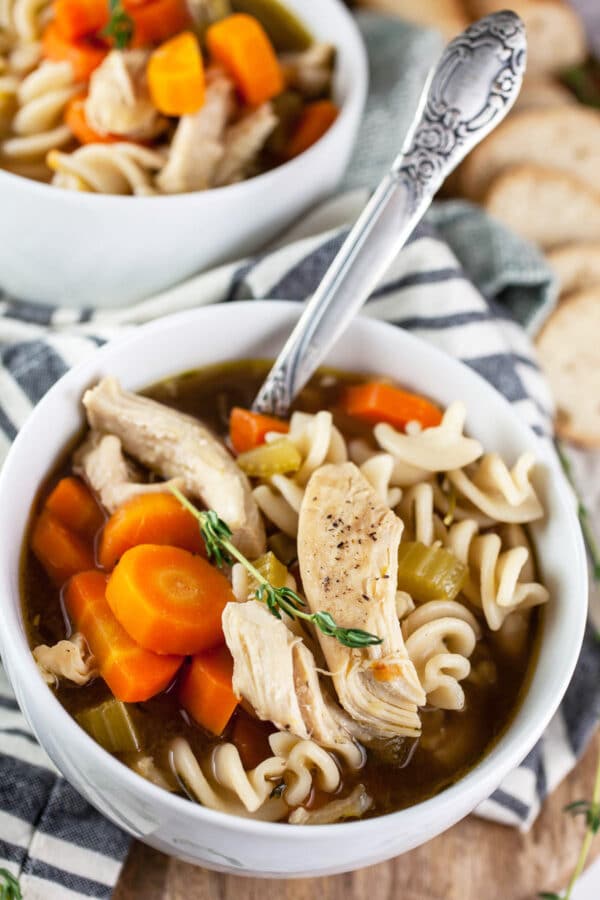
[36, 126]
[224, 784]
[440, 637]
[120, 168]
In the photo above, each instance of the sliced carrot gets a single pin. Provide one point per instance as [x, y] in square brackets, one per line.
[251, 737]
[132, 674]
[76, 120]
[157, 20]
[148, 519]
[168, 600]
[241, 45]
[79, 18]
[315, 119]
[176, 76]
[379, 402]
[247, 429]
[206, 690]
[84, 54]
[75, 506]
[61, 552]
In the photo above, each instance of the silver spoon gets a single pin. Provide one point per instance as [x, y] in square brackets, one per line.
[470, 91]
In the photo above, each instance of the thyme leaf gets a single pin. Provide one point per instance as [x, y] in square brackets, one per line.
[9, 886]
[120, 28]
[590, 809]
[582, 512]
[217, 539]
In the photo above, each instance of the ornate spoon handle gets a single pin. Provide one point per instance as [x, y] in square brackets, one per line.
[472, 88]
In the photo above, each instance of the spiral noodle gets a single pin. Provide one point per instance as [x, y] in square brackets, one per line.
[494, 581]
[440, 637]
[223, 784]
[23, 19]
[502, 494]
[438, 449]
[319, 442]
[501, 573]
[120, 168]
[36, 126]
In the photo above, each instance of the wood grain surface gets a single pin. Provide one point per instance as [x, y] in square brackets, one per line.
[475, 860]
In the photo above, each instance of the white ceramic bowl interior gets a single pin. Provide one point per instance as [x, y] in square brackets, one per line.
[83, 249]
[170, 823]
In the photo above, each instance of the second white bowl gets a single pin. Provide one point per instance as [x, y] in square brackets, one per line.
[83, 249]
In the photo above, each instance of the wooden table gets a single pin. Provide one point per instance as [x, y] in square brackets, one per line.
[475, 860]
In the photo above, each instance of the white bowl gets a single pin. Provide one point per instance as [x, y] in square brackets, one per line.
[171, 823]
[83, 249]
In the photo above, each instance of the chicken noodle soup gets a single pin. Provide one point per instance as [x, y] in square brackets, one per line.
[305, 621]
[159, 97]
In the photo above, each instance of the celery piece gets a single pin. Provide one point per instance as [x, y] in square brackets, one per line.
[284, 547]
[286, 31]
[270, 459]
[111, 725]
[205, 12]
[271, 569]
[429, 573]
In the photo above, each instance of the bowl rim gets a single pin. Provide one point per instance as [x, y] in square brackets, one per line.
[511, 754]
[353, 105]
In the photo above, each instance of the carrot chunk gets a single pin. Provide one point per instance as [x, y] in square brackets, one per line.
[206, 690]
[247, 429]
[241, 45]
[84, 54]
[76, 119]
[132, 673]
[78, 18]
[168, 600]
[148, 519]
[75, 506]
[176, 76]
[315, 119]
[157, 20]
[61, 552]
[379, 402]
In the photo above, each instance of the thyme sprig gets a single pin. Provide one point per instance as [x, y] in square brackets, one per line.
[120, 28]
[582, 512]
[590, 809]
[9, 886]
[219, 547]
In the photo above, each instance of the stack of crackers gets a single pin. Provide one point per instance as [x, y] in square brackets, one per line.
[539, 173]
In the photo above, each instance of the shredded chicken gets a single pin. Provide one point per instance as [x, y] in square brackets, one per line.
[118, 101]
[353, 806]
[100, 462]
[197, 145]
[276, 673]
[348, 553]
[70, 659]
[176, 445]
[242, 144]
[310, 71]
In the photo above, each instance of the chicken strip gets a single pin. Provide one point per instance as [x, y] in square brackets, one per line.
[118, 100]
[276, 673]
[175, 445]
[197, 146]
[100, 462]
[348, 554]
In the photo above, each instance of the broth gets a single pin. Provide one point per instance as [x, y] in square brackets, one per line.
[408, 771]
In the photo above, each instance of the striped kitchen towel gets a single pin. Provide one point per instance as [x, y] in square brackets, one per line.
[463, 282]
